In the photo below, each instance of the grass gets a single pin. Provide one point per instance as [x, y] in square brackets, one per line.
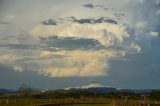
[60, 105]
[74, 102]
[87, 105]
[16, 105]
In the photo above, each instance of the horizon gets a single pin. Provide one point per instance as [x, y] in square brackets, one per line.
[79, 87]
[55, 44]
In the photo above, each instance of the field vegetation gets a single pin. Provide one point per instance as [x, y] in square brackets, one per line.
[76, 97]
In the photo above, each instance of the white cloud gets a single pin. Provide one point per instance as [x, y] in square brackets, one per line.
[63, 63]
[76, 63]
[141, 25]
[17, 68]
[153, 34]
[107, 34]
[135, 48]
[94, 85]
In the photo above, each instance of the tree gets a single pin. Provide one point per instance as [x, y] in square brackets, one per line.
[25, 90]
[155, 94]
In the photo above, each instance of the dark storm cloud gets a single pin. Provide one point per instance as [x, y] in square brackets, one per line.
[80, 21]
[56, 43]
[70, 43]
[50, 22]
[111, 21]
[89, 5]
[94, 21]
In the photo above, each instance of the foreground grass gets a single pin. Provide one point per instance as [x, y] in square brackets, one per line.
[77, 102]
[15, 105]
[87, 105]
[60, 105]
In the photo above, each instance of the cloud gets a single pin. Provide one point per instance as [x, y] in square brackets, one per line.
[141, 25]
[51, 22]
[111, 21]
[74, 47]
[8, 58]
[94, 21]
[64, 63]
[76, 64]
[119, 14]
[88, 5]
[69, 43]
[134, 48]
[153, 34]
[158, 12]
[5, 23]
[107, 34]
[18, 46]
[91, 6]
[68, 63]
[81, 45]
[17, 68]
[157, 2]
[94, 85]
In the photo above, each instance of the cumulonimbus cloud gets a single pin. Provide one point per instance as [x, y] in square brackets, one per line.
[117, 38]
[66, 61]
[83, 63]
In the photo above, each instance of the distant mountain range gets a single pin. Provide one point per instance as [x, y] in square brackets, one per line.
[105, 90]
[102, 90]
[5, 91]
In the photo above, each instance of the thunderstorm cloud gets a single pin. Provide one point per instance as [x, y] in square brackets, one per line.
[83, 38]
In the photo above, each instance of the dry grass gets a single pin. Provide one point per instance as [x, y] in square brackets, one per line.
[77, 102]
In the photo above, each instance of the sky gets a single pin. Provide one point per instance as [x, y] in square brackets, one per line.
[52, 44]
